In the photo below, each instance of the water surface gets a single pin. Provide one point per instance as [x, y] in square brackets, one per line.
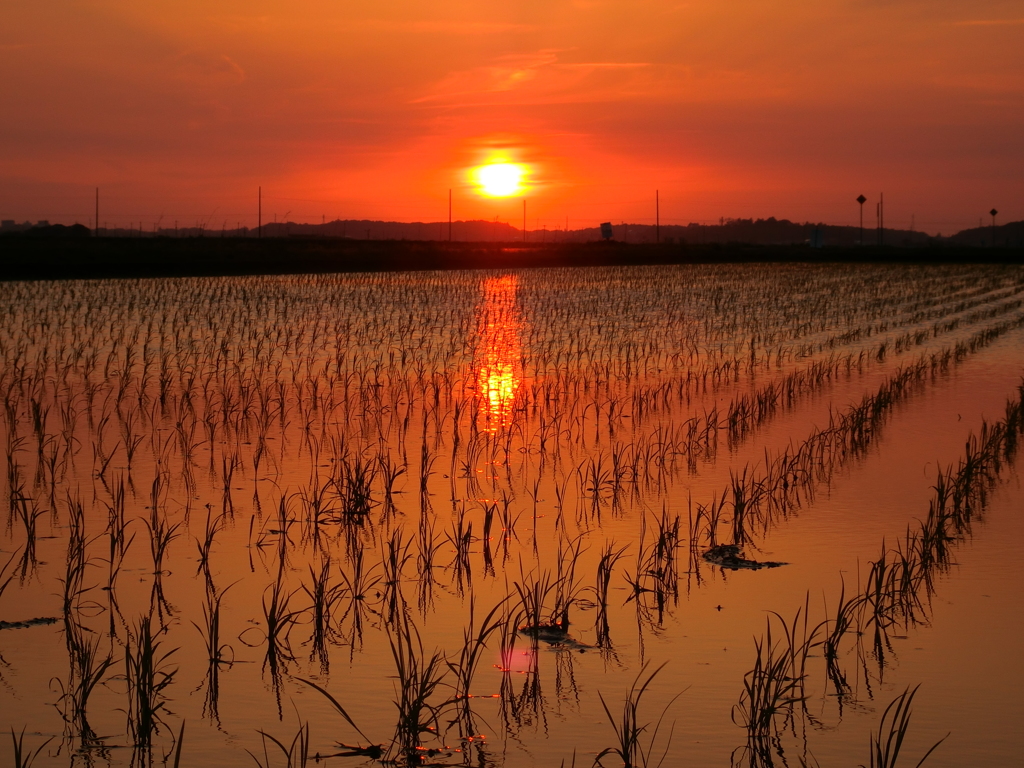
[335, 475]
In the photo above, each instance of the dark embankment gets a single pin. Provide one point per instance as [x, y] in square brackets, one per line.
[28, 258]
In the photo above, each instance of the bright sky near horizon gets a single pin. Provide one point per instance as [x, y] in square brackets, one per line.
[373, 109]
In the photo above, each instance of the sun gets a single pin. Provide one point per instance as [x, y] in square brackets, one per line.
[499, 179]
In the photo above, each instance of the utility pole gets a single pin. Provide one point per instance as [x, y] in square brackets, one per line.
[97, 211]
[524, 219]
[861, 199]
[259, 213]
[449, 215]
[993, 212]
[881, 218]
[657, 218]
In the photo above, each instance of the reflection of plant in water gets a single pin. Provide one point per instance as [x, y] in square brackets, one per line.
[213, 526]
[895, 594]
[419, 679]
[899, 584]
[461, 538]
[216, 651]
[76, 563]
[465, 665]
[842, 621]
[117, 533]
[374, 751]
[775, 687]
[324, 599]
[534, 589]
[88, 667]
[148, 673]
[524, 705]
[654, 580]
[279, 620]
[892, 730]
[567, 586]
[161, 534]
[358, 590]
[389, 473]
[424, 711]
[427, 546]
[396, 555]
[608, 418]
[631, 746]
[610, 555]
[791, 476]
[5, 582]
[296, 753]
[28, 515]
[23, 757]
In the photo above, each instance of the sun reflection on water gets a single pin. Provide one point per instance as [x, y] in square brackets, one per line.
[499, 350]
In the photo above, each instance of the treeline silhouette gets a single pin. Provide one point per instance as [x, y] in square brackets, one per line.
[770, 231]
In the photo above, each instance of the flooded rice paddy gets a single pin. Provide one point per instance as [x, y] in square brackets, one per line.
[710, 516]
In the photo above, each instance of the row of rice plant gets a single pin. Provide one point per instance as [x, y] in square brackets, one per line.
[464, 437]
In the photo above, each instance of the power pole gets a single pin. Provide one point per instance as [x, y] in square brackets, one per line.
[993, 212]
[259, 213]
[97, 211]
[524, 219]
[861, 199]
[657, 218]
[449, 215]
[881, 218]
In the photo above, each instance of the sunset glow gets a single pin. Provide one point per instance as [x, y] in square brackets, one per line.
[500, 179]
[492, 366]
[355, 111]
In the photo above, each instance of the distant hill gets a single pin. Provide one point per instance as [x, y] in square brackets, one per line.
[771, 231]
[45, 229]
[755, 232]
[1005, 235]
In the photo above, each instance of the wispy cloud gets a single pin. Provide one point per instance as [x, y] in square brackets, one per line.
[589, 65]
[503, 74]
[541, 73]
[466, 27]
[209, 67]
[989, 23]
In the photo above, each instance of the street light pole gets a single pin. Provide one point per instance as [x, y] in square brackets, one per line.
[861, 199]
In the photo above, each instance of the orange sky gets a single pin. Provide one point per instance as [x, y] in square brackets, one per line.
[373, 109]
